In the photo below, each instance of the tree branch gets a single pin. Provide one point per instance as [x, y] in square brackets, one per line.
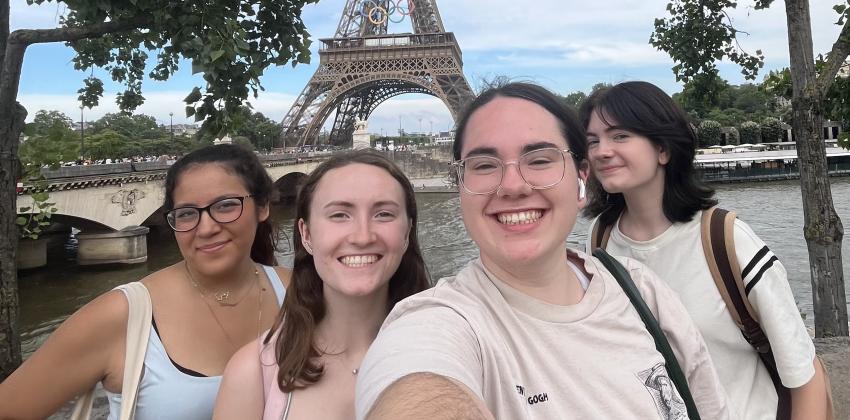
[4, 28]
[38, 36]
[835, 58]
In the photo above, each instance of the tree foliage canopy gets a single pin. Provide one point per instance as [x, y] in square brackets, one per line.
[708, 133]
[231, 43]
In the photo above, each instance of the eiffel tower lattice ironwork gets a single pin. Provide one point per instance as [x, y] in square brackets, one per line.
[362, 66]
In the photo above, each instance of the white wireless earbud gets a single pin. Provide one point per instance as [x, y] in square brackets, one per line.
[581, 189]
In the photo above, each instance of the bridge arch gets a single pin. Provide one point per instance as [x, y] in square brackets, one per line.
[356, 96]
[287, 186]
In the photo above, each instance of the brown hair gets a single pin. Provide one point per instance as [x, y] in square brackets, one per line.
[304, 305]
[243, 163]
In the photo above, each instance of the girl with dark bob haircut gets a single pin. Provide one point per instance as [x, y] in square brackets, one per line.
[644, 109]
[649, 205]
[356, 255]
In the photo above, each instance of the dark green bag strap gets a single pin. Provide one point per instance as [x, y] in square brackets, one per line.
[661, 344]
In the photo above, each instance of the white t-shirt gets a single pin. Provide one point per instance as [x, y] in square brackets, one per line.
[527, 359]
[677, 257]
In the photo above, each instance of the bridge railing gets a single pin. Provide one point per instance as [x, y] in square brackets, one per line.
[84, 176]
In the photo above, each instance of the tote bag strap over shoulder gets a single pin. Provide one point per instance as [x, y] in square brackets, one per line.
[139, 319]
[661, 344]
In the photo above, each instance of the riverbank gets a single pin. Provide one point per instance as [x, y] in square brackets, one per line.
[835, 353]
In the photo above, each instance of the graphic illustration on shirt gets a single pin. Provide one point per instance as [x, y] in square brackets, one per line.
[667, 399]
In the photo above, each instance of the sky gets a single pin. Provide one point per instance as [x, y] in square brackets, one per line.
[565, 45]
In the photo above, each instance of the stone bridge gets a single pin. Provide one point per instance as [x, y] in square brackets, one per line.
[113, 205]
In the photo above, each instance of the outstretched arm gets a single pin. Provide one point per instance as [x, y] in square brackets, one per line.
[428, 396]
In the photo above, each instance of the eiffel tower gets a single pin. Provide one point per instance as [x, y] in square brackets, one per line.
[363, 66]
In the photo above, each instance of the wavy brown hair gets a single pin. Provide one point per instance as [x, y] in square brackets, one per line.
[304, 305]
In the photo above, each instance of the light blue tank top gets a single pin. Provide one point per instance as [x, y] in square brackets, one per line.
[166, 393]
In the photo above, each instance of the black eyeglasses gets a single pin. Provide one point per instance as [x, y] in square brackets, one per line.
[226, 210]
[540, 169]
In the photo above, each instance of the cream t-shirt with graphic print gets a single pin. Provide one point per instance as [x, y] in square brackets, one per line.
[528, 359]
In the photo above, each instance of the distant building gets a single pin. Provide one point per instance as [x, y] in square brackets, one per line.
[182, 129]
[445, 137]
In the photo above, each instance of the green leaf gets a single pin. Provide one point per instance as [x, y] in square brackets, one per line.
[193, 97]
[24, 209]
[21, 221]
[215, 55]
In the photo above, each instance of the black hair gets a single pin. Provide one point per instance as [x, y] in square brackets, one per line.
[644, 109]
[571, 129]
[245, 164]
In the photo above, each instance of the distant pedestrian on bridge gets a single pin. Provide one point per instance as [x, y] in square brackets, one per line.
[223, 293]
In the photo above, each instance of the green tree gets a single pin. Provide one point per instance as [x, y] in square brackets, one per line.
[45, 121]
[749, 132]
[708, 133]
[771, 130]
[836, 103]
[729, 117]
[134, 127]
[106, 144]
[260, 131]
[844, 141]
[692, 98]
[50, 140]
[58, 145]
[705, 23]
[600, 85]
[575, 99]
[733, 137]
[231, 43]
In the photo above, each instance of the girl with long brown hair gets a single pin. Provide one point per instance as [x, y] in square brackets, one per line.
[356, 255]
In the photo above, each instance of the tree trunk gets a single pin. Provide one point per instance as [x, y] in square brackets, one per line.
[822, 226]
[12, 116]
[10, 338]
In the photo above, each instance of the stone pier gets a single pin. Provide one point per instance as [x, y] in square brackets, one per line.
[126, 246]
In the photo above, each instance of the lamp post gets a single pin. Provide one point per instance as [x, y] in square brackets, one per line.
[82, 135]
[171, 124]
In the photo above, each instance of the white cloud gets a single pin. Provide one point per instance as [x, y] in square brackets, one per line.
[593, 53]
[157, 104]
[36, 16]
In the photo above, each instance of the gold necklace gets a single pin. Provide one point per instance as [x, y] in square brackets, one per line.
[221, 296]
[215, 317]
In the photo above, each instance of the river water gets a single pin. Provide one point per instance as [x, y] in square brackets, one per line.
[774, 211]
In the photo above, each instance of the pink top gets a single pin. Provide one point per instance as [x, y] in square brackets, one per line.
[277, 402]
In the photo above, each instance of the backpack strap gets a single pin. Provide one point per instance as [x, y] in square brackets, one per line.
[600, 234]
[718, 243]
[661, 344]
